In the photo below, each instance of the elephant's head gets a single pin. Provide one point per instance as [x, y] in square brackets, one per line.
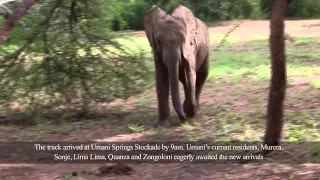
[150, 19]
[190, 22]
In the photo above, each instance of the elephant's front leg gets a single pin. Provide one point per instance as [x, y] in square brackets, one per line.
[162, 84]
[189, 104]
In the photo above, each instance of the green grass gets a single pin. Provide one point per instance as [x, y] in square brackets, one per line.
[135, 44]
[298, 97]
[187, 126]
[217, 89]
[42, 130]
[136, 128]
[234, 65]
[191, 138]
[144, 102]
[239, 66]
[302, 127]
[160, 132]
[238, 93]
[315, 84]
[66, 130]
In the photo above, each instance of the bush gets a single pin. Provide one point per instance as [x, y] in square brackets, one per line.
[304, 9]
[60, 60]
[296, 8]
[132, 12]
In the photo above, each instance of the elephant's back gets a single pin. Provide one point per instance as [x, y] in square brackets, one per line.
[203, 36]
[203, 42]
[203, 27]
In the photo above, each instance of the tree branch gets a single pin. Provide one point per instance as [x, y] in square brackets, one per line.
[14, 18]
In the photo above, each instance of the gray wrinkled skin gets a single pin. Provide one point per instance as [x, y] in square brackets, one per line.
[181, 50]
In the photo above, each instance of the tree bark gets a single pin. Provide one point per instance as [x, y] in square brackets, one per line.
[14, 18]
[278, 80]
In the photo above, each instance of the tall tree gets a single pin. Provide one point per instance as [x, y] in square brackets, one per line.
[266, 5]
[278, 80]
[69, 55]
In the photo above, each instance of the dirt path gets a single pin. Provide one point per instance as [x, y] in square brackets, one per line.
[170, 171]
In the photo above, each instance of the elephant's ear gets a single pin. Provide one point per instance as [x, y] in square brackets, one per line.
[150, 20]
[190, 22]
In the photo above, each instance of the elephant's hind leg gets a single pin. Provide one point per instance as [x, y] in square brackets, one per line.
[202, 76]
[188, 108]
[189, 105]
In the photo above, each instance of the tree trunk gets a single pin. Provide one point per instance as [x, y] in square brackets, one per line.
[270, 5]
[278, 80]
[14, 18]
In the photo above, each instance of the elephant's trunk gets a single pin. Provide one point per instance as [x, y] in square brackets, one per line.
[172, 58]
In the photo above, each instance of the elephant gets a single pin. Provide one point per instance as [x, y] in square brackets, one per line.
[181, 50]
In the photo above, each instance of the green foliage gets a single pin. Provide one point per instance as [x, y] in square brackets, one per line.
[66, 58]
[296, 8]
[209, 10]
[129, 13]
[305, 8]
[132, 12]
